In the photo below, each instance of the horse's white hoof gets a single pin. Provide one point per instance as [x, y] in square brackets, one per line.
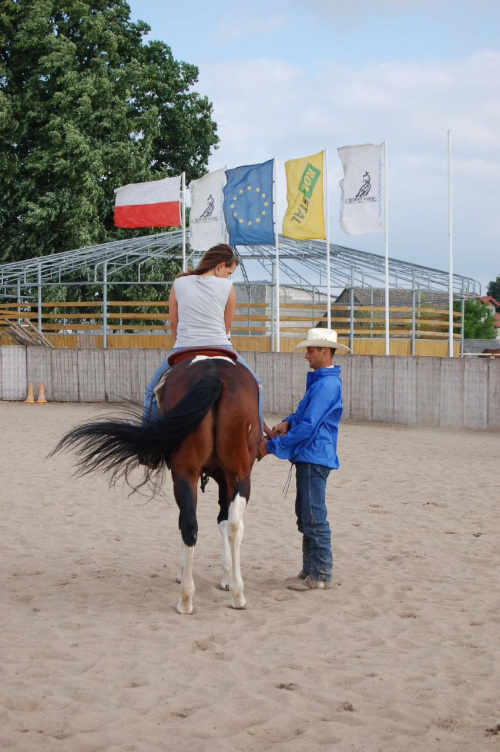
[184, 608]
[224, 585]
[238, 601]
[179, 577]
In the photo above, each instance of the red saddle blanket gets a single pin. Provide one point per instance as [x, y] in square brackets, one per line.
[209, 352]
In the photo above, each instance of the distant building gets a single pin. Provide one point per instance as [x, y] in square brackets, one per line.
[494, 307]
[372, 321]
[375, 296]
[258, 318]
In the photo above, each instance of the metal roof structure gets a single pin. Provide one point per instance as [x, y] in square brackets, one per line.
[302, 265]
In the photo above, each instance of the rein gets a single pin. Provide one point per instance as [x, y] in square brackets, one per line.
[268, 431]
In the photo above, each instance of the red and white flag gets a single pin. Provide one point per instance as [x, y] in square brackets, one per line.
[153, 204]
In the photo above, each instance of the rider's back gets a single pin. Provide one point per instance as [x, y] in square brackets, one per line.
[201, 301]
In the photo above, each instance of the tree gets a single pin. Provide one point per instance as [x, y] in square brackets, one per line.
[87, 106]
[479, 322]
[494, 289]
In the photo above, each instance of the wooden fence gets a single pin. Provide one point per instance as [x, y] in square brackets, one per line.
[136, 324]
[446, 392]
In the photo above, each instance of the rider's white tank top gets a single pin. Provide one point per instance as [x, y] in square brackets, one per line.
[201, 302]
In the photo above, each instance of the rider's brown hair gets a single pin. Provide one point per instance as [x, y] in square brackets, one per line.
[218, 254]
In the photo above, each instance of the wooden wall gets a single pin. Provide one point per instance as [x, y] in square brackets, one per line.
[446, 392]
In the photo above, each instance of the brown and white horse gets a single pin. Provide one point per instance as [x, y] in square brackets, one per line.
[209, 424]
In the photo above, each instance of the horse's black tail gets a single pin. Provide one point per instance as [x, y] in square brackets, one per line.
[119, 446]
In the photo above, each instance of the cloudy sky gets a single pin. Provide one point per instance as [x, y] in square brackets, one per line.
[289, 78]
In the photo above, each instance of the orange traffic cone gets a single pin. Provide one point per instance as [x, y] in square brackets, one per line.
[30, 399]
[41, 395]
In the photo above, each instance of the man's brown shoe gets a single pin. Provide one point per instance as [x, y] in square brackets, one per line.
[309, 583]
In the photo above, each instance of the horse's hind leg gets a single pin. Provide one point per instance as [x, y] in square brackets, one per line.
[185, 603]
[185, 495]
[226, 556]
[181, 563]
[235, 533]
[222, 522]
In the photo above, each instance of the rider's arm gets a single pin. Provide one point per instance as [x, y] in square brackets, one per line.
[173, 313]
[229, 310]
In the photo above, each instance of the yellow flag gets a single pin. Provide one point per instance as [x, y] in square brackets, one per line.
[304, 218]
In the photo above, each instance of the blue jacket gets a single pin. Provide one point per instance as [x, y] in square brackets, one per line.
[312, 436]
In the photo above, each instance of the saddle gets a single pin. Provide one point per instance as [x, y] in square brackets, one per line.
[189, 352]
[209, 352]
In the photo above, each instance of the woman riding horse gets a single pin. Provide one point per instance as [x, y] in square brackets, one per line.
[202, 304]
[209, 423]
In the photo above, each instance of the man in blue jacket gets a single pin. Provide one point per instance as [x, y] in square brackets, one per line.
[308, 438]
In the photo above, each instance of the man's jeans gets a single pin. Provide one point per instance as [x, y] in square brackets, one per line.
[151, 411]
[310, 508]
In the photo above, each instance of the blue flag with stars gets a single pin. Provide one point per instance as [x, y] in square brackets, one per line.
[248, 204]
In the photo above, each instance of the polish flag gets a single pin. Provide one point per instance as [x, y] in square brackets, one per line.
[153, 204]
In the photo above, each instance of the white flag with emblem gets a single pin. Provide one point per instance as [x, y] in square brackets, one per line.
[362, 189]
[207, 225]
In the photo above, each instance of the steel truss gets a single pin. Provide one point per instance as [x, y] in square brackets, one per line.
[302, 265]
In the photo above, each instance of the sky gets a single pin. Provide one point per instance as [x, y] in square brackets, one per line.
[288, 78]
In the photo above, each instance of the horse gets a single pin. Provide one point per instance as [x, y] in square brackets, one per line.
[365, 187]
[208, 426]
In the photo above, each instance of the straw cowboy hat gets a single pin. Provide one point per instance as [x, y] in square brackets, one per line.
[321, 338]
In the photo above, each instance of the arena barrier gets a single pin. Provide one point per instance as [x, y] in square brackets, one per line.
[450, 393]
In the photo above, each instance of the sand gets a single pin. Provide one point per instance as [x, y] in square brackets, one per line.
[403, 654]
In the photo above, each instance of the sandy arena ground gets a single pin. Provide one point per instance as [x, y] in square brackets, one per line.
[403, 654]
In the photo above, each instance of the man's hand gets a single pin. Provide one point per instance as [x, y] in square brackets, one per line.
[282, 428]
[262, 450]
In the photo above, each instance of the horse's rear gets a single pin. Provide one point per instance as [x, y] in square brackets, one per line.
[209, 423]
[224, 446]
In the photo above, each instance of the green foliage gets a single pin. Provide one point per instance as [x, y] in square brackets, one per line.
[494, 289]
[479, 322]
[85, 107]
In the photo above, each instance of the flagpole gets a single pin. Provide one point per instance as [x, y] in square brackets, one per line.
[327, 233]
[183, 184]
[450, 237]
[386, 229]
[277, 256]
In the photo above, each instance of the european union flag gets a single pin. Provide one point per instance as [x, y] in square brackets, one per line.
[248, 204]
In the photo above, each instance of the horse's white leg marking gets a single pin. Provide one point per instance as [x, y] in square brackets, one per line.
[226, 556]
[235, 529]
[181, 563]
[185, 604]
